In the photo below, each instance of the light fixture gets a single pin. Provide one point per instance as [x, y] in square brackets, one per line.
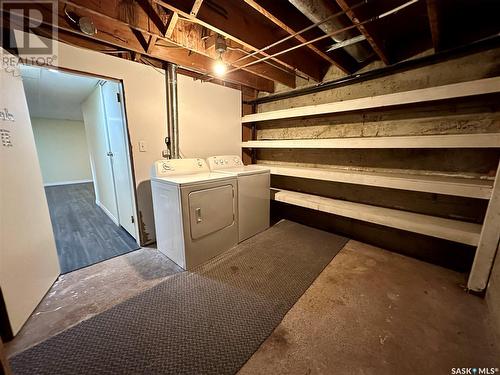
[219, 67]
[220, 47]
[84, 24]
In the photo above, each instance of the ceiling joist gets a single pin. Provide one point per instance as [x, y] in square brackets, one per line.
[121, 36]
[187, 34]
[375, 44]
[235, 24]
[290, 31]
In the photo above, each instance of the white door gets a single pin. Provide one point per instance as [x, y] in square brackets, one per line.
[28, 256]
[209, 211]
[118, 143]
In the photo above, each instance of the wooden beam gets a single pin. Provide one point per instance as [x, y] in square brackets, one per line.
[120, 35]
[172, 22]
[488, 242]
[151, 44]
[451, 91]
[153, 15]
[433, 15]
[376, 45]
[196, 8]
[188, 35]
[236, 24]
[290, 31]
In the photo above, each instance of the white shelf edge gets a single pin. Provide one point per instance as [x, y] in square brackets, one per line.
[452, 230]
[484, 140]
[452, 91]
[461, 187]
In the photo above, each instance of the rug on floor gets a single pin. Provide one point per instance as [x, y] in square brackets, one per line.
[209, 320]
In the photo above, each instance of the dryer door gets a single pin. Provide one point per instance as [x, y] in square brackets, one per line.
[210, 210]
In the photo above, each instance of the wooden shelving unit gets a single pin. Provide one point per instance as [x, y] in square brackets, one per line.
[453, 91]
[486, 236]
[453, 230]
[424, 141]
[457, 186]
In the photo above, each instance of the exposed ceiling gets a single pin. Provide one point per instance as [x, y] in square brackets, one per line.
[184, 32]
[55, 95]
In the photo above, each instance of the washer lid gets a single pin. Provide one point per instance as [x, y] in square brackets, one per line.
[244, 170]
[191, 179]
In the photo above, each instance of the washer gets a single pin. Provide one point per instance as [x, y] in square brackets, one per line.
[195, 211]
[253, 193]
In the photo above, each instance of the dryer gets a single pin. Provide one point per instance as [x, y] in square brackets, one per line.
[195, 211]
[253, 193]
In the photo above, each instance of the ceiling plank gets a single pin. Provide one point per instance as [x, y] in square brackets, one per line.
[376, 45]
[120, 35]
[188, 35]
[290, 31]
[233, 23]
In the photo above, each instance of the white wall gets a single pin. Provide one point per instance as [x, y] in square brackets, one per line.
[28, 257]
[62, 150]
[216, 129]
[209, 119]
[146, 110]
[97, 139]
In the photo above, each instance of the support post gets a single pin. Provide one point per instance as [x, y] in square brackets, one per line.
[488, 242]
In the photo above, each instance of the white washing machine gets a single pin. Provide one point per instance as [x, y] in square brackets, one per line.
[195, 211]
[253, 193]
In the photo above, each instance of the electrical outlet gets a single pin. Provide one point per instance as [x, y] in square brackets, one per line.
[142, 146]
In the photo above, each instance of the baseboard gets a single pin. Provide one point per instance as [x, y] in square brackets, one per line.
[67, 182]
[106, 211]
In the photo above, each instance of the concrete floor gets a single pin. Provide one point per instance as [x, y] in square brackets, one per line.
[375, 312]
[81, 294]
[369, 312]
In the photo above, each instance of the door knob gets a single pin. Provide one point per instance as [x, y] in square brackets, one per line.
[198, 215]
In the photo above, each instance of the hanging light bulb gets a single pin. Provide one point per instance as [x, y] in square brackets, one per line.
[220, 47]
[220, 67]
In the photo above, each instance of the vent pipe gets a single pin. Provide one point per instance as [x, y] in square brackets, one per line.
[318, 10]
[172, 139]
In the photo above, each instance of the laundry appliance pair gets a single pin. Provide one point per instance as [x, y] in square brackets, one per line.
[202, 210]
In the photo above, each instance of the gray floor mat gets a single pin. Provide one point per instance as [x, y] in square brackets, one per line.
[206, 321]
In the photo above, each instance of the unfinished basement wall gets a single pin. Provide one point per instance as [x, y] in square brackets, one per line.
[463, 116]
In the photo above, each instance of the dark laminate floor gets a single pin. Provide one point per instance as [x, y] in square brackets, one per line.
[84, 233]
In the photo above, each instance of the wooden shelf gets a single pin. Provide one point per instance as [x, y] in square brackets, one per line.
[453, 91]
[453, 230]
[489, 140]
[462, 187]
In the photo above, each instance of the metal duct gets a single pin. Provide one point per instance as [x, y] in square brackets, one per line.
[318, 10]
[172, 112]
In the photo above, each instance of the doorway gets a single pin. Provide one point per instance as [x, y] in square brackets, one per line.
[80, 133]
